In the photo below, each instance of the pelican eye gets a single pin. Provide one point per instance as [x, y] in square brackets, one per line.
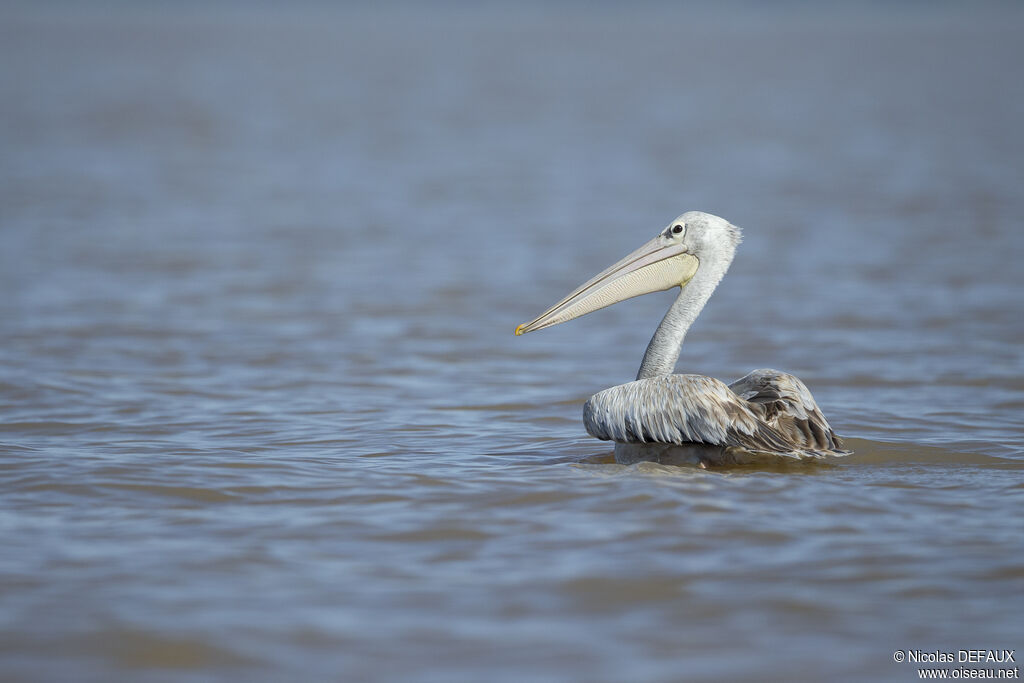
[677, 229]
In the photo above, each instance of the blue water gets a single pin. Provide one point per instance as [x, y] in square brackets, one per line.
[262, 415]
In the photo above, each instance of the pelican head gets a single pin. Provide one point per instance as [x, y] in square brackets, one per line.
[669, 260]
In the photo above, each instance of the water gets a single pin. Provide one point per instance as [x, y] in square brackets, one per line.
[263, 416]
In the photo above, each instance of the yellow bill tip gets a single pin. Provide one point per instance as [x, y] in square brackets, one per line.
[519, 329]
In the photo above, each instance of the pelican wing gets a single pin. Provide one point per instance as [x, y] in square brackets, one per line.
[785, 403]
[680, 409]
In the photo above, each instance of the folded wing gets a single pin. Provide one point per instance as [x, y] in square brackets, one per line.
[766, 411]
[785, 403]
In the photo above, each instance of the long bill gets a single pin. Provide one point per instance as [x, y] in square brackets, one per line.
[656, 266]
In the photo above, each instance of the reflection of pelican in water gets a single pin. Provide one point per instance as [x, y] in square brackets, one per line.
[667, 417]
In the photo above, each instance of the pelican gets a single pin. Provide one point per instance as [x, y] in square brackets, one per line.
[692, 419]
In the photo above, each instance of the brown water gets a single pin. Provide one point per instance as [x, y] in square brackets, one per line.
[262, 416]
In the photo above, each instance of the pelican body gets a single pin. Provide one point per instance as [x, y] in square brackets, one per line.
[673, 418]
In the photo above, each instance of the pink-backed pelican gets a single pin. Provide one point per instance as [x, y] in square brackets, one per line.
[690, 418]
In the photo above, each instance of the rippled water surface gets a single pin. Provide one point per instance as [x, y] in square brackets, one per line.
[262, 416]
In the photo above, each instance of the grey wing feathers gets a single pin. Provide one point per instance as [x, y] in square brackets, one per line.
[681, 409]
[784, 402]
[678, 409]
